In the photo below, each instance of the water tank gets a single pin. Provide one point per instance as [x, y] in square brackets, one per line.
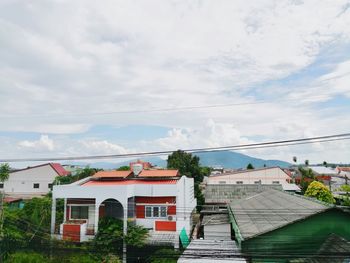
[137, 168]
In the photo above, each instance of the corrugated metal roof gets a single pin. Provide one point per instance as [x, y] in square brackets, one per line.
[128, 182]
[323, 170]
[270, 210]
[112, 174]
[215, 219]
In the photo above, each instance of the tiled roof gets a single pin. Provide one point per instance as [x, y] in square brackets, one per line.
[127, 182]
[159, 173]
[112, 174]
[59, 169]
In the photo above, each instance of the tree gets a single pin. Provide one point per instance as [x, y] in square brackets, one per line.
[123, 168]
[4, 172]
[325, 163]
[189, 165]
[86, 172]
[320, 191]
[294, 159]
[165, 255]
[307, 162]
[250, 166]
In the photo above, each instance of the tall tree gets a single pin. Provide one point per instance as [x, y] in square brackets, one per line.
[295, 159]
[325, 163]
[307, 162]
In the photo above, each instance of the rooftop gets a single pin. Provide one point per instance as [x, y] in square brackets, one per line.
[127, 182]
[159, 173]
[216, 219]
[323, 170]
[112, 174]
[270, 210]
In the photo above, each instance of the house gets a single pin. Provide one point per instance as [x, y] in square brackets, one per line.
[343, 171]
[160, 200]
[263, 176]
[32, 181]
[280, 227]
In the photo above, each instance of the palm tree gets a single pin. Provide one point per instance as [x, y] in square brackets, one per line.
[307, 162]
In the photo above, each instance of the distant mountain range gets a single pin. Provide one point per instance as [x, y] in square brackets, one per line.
[225, 159]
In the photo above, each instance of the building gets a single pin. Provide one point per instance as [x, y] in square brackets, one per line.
[263, 176]
[160, 200]
[32, 181]
[275, 226]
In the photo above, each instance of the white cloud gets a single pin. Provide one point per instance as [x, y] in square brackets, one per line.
[43, 144]
[95, 147]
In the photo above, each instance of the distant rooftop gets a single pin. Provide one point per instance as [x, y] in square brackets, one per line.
[270, 210]
[323, 170]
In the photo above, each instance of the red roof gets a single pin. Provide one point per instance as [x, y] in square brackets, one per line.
[59, 169]
[112, 174]
[159, 173]
[127, 182]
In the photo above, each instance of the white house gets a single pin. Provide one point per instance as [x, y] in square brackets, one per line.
[264, 176]
[160, 200]
[32, 181]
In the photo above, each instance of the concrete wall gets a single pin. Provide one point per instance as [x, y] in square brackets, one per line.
[21, 183]
[259, 176]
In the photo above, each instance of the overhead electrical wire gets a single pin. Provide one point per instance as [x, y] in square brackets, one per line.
[269, 144]
[161, 110]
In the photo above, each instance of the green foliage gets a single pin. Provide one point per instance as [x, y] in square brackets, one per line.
[26, 257]
[165, 256]
[320, 191]
[307, 162]
[123, 168]
[136, 235]
[345, 188]
[110, 235]
[4, 172]
[64, 180]
[307, 176]
[186, 164]
[82, 259]
[345, 201]
[189, 165]
[325, 163]
[250, 166]
[86, 172]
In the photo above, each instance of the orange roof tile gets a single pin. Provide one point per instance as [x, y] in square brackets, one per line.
[127, 182]
[112, 174]
[159, 173]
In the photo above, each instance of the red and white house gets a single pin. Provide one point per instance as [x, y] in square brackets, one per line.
[160, 200]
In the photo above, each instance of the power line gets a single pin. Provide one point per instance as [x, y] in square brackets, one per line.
[160, 110]
[309, 140]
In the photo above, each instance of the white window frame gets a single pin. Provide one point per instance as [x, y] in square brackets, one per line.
[70, 212]
[160, 207]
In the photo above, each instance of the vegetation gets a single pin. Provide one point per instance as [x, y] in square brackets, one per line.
[86, 172]
[165, 256]
[307, 176]
[4, 172]
[109, 238]
[320, 191]
[189, 165]
[123, 168]
[307, 162]
[250, 166]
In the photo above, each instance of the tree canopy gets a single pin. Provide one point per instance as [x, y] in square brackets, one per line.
[250, 166]
[4, 172]
[320, 191]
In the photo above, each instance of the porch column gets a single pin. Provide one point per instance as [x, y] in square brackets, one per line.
[125, 230]
[53, 215]
[65, 210]
[97, 215]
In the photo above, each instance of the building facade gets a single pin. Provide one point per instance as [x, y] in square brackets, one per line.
[159, 200]
[32, 181]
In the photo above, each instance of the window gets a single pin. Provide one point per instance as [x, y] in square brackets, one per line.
[36, 185]
[79, 212]
[49, 186]
[257, 182]
[275, 182]
[156, 211]
[222, 182]
[239, 182]
[1, 185]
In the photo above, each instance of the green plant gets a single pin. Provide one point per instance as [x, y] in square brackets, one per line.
[4, 172]
[26, 257]
[165, 255]
[320, 191]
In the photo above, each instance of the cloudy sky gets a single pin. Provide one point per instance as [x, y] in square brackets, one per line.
[82, 77]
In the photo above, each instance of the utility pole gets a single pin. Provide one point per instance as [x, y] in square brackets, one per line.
[2, 197]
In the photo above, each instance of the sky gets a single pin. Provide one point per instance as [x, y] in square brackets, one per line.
[92, 78]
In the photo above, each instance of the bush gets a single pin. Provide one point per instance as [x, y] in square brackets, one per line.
[26, 257]
[320, 191]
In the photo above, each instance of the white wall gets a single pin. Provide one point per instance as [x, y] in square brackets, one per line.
[20, 183]
[266, 176]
